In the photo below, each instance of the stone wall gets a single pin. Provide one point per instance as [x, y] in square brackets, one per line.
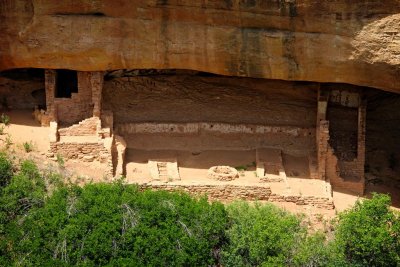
[86, 127]
[335, 171]
[214, 136]
[322, 144]
[251, 193]
[100, 151]
[345, 155]
[318, 201]
[81, 105]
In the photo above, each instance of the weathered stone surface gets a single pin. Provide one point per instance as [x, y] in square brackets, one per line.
[355, 42]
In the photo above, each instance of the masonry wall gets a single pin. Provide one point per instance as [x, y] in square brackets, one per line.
[345, 159]
[199, 112]
[84, 151]
[214, 136]
[87, 127]
[79, 106]
[251, 193]
[83, 104]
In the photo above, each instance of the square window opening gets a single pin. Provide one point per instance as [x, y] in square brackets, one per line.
[66, 83]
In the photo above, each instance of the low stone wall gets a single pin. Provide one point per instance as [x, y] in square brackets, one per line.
[334, 173]
[252, 193]
[86, 151]
[317, 201]
[216, 192]
[83, 128]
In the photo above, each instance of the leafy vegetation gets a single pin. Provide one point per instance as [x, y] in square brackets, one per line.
[5, 119]
[6, 169]
[369, 233]
[28, 146]
[60, 160]
[46, 222]
[260, 234]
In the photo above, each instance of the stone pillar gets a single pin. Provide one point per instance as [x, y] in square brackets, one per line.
[322, 132]
[96, 81]
[362, 112]
[50, 89]
[322, 144]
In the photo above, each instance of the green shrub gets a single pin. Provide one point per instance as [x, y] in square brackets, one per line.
[6, 169]
[5, 119]
[369, 233]
[60, 160]
[8, 141]
[116, 225]
[28, 146]
[25, 190]
[260, 235]
[315, 250]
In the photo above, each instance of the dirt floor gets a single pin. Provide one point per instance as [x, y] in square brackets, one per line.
[193, 168]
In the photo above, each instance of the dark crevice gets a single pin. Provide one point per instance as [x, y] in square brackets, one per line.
[23, 74]
[92, 14]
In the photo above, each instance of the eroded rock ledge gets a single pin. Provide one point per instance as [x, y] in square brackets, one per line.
[355, 42]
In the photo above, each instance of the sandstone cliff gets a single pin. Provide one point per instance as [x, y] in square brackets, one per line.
[355, 42]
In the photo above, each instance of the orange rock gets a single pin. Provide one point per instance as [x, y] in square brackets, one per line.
[353, 42]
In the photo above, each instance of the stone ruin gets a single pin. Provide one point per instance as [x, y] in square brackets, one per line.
[223, 173]
[85, 127]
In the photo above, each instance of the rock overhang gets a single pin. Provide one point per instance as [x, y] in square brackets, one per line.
[322, 41]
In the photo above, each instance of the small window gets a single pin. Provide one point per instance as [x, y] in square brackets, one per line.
[66, 83]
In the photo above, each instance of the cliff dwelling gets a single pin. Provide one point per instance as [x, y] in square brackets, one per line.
[185, 127]
[256, 110]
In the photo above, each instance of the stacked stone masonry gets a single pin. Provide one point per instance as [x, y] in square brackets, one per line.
[251, 193]
[86, 151]
[81, 105]
[86, 127]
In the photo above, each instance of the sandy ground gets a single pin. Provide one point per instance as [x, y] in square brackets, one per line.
[193, 167]
[23, 128]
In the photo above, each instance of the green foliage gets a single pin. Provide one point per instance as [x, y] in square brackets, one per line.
[28, 146]
[8, 141]
[315, 250]
[5, 119]
[369, 233]
[26, 191]
[60, 161]
[2, 129]
[6, 169]
[114, 224]
[44, 222]
[260, 235]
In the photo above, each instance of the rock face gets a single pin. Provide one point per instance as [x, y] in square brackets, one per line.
[355, 42]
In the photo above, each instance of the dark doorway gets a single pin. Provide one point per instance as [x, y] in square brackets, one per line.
[66, 83]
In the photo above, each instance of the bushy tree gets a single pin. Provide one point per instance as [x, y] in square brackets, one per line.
[314, 250]
[259, 235]
[6, 169]
[116, 225]
[369, 233]
[25, 191]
